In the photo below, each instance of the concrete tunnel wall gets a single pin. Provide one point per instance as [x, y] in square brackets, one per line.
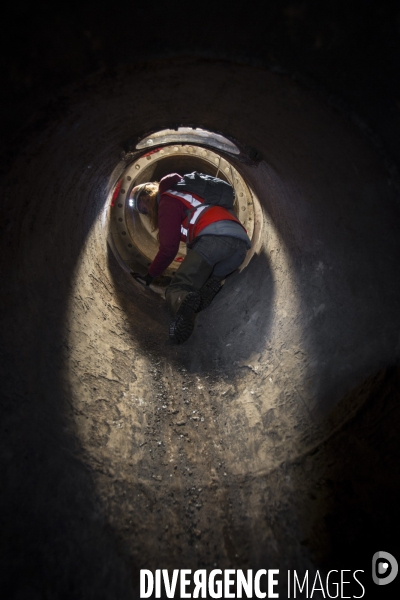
[258, 442]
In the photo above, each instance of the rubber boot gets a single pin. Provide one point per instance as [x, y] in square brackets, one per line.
[209, 290]
[183, 295]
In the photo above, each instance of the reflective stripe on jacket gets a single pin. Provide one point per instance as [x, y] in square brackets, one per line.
[200, 215]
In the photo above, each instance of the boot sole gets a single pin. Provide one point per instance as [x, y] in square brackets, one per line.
[181, 327]
[208, 293]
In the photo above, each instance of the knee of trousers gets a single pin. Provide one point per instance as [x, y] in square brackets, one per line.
[191, 276]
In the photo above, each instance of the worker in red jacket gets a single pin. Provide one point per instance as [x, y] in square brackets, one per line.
[216, 241]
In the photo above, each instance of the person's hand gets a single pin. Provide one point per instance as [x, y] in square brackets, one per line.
[143, 279]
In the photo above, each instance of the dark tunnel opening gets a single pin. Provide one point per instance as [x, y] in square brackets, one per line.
[270, 438]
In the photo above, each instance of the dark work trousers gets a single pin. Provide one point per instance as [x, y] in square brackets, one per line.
[224, 253]
[211, 257]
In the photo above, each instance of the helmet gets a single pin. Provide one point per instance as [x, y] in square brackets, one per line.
[135, 202]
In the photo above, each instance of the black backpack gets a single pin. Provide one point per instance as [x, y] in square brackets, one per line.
[214, 191]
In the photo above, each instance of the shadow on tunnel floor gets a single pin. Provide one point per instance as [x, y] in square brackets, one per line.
[235, 326]
[56, 541]
[348, 486]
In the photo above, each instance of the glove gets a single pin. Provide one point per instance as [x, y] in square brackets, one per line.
[143, 279]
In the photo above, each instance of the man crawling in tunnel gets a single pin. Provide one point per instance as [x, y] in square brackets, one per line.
[198, 210]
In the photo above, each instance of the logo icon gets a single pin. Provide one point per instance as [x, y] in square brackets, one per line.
[384, 568]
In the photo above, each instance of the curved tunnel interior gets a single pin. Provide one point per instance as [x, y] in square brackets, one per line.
[233, 448]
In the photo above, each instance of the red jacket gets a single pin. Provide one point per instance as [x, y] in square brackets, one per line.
[174, 222]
